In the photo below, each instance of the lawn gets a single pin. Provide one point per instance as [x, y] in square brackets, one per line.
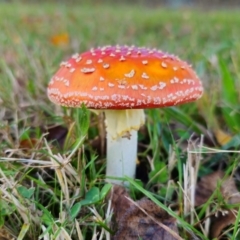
[53, 159]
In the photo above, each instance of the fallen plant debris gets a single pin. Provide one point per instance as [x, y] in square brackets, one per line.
[57, 134]
[142, 219]
[120, 203]
[5, 234]
[225, 190]
[60, 39]
[211, 182]
[52, 182]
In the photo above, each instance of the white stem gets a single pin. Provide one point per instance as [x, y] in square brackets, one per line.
[121, 157]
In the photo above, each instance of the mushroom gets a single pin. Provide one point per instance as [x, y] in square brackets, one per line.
[122, 81]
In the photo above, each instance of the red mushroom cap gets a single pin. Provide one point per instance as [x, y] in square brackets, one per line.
[122, 77]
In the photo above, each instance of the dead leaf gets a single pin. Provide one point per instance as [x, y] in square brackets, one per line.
[219, 222]
[29, 143]
[141, 219]
[146, 221]
[5, 234]
[221, 136]
[60, 39]
[206, 187]
[57, 133]
[120, 204]
[208, 184]
[225, 218]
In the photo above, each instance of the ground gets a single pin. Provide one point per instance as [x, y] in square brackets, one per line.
[52, 159]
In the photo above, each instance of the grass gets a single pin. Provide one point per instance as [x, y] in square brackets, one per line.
[53, 185]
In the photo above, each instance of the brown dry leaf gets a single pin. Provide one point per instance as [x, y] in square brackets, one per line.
[146, 221]
[5, 234]
[57, 134]
[142, 219]
[29, 146]
[60, 39]
[205, 188]
[28, 143]
[120, 203]
[226, 218]
[221, 136]
[208, 184]
[221, 221]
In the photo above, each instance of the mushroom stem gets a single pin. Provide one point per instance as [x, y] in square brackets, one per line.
[122, 127]
[121, 156]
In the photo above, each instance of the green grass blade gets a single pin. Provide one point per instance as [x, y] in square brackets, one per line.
[229, 97]
[178, 115]
[181, 221]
